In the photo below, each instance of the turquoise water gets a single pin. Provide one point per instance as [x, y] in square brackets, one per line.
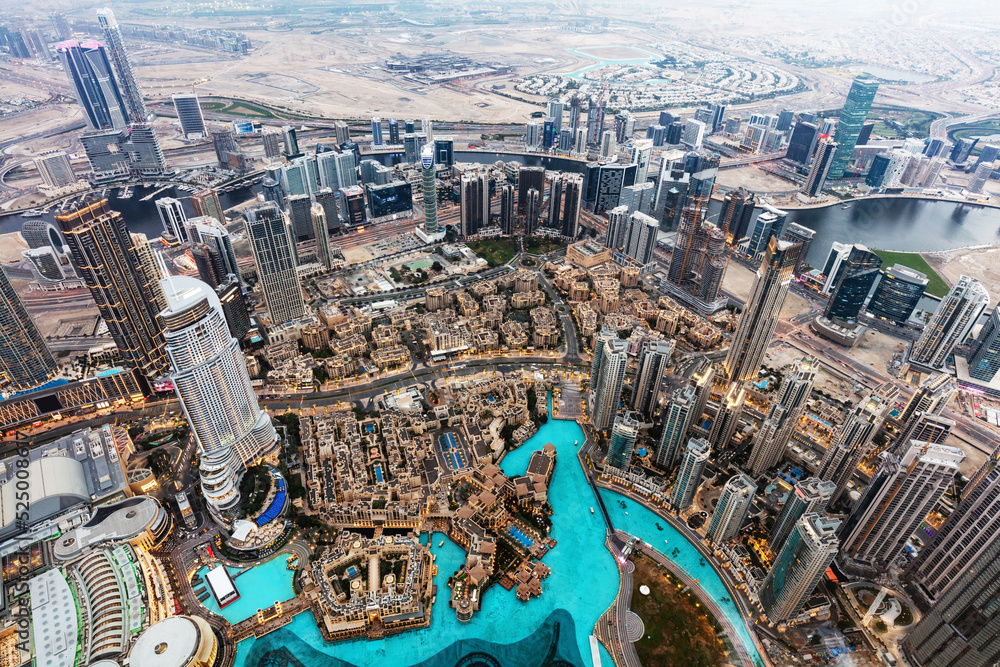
[259, 588]
[604, 62]
[583, 584]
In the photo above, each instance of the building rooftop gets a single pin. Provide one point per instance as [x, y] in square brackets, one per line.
[110, 523]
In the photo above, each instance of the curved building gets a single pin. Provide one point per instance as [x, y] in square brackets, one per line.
[89, 70]
[211, 380]
[25, 359]
[180, 641]
[140, 521]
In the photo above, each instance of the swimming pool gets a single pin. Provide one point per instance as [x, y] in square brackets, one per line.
[579, 556]
[516, 533]
[378, 472]
[259, 588]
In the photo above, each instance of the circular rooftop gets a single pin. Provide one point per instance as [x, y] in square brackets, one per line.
[180, 641]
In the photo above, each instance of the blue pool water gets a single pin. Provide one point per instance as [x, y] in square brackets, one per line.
[378, 472]
[259, 588]
[369, 428]
[584, 580]
[642, 451]
[516, 533]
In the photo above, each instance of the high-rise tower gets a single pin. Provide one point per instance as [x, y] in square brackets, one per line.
[692, 467]
[273, 247]
[821, 166]
[212, 383]
[783, 416]
[25, 360]
[653, 362]
[728, 417]
[622, 442]
[798, 567]
[851, 118]
[732, 509]
[89, 70]
[125, 289]
[854, 281]
[428, 177]
[119, 56]
[757, 322]
[984, 352]
[810, 495]
[677, 417]
[605, 393]
[952, 323]
[851, 444]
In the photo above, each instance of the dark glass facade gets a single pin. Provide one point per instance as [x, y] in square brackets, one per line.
[897, 294]
[857, 276]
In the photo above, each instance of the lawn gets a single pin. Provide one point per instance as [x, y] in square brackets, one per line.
[540, 245]
[971, 130]
[495, 251]
[912, 122]
[936, 285]
[677, 629]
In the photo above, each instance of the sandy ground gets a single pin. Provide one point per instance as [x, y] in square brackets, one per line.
[40, 119]
[983, 264]
[875, 349]
[754, 179]
[11, 247]
[738, 281]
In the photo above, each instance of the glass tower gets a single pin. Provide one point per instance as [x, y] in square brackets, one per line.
[852, 118]
[800, 564]
[857, 275]
[25, 360]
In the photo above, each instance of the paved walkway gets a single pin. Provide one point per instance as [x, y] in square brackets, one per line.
[611, 628]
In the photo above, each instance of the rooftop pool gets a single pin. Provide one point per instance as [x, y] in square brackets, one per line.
[583, 584]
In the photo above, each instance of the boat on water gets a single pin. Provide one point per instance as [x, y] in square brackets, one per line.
[846, 206]
[441, 543]
[33, 213]
[591, 510]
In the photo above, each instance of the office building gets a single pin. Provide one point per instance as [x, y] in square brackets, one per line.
[580, 141]
[55, 169]
[877, 170]
[444, 151]
[784, 122]
[689, 475]
[699, 259]
[548, 132]
[41, 234]
[413, 144]
[854, 282]
[732, 509]
[677, 417]
[189, 114]
[753, 139]
[565, 140]
[638, 197]
[612, 179]
[336, 170]
[508, 209]
[89, 70]
[565, 202]
[979, 178]
[727, 418]
[601, 337]
[393, 132]
[694, 133]
[554, 110]
[528, 178]
[850, 444]
[389, 199]
[757, 321]
[932, 397]
[532, 211]
[736, 214]
[123, 66]
[923, 427]
[272, 243]
[783, 416]
[25, 360]
[608, 145]
[657, 134]
[298, 211]
[428, 178]
[291, 140]
[622, 442]
[377, 141]
[618, 224]
[272, 144]
[475, 202]
[822, 165]
[125, 288]
[641, 154]
[214, 247]
[605, 393]
[764, 227]
[902, 492]
[962, 628]
[352, 210]
[595, 120]
[327, 198]
[809, 496]
[532, 135]
[798, 567]
[173, 218]
[321, 234]
[802, 143]
[850, 120]
[212, 383]
[654, 359]
[984, 351]
[796, 233]
[897, 294]
[951, 324]
[640, 239]
[299, 177]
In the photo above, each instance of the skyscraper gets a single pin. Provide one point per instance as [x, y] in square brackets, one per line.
[952, 323]
[732, 509]
[640, 239]
[618, 223]
[532, 134]
[851, 118]
[728, 417]
[532, 210]
[428, 177]
[962, 629]
[902, 492]
[554, 109]
[212, 383]
[574, 112]
[606, 392]
[610, 181]
[821, 167]
[677, 417]
[475, 202]
[291, 141]
[757, 322]
[126, 76]
[273, 245]
[206, 203]
[653, 362]
[172, 217]
[189, 114]
[565, 201]
[55, 169]
[210, 232]
[89, 70]
[796, 233]
[25, 360]
[689, 474]
[528, 177]
[783, 415]
[377, 132]
[932, 396]
[851, 444]
[736, 214]
[272, 144]
[508, 209]
[923, 427]
[622, 443]
[809, 496]
[798, 567]
[699, 261]
[897, 295]
[984, 352]
[298, 210]
[602, 336]
[321, 234]
[125, 290]
[856, 277]
[638, 197]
